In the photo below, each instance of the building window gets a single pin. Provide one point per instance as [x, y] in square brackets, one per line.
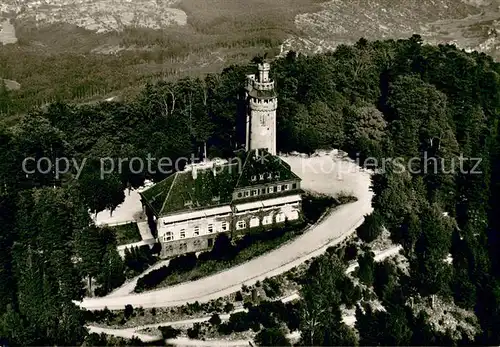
[269, 189]
[280, 217]
[263, 191]
[168, 236]
[241, 225]
[255, 192]
[253, 178]
[196, 231]
[278, 188]
[225, 226]
[284, 187]
[269, 175]
[183, 234]
[261, 177]
[267, 220]
[240, 194]
[294, 186]
[254, 222]
[210, 228]
[275, 189]
[247, 193]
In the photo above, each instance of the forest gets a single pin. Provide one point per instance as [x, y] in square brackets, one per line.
[380, 99]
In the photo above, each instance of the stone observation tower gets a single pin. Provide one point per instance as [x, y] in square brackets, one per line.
[261, 113]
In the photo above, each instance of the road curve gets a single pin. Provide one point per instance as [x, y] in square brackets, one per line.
[129, 333]
[326, 174]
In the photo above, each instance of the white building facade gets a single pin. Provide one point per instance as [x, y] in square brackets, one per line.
[261, 114]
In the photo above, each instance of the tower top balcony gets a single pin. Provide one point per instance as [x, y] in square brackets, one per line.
[269, 85]
[264, 67]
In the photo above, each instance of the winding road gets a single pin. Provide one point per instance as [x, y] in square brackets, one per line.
[131, 332]
[325, 173]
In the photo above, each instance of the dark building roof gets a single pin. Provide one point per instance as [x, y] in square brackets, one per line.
[214, 186]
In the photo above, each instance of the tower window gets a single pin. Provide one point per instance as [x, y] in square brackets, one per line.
[262, 119]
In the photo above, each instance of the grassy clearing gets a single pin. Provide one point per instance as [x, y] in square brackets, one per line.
[127, 233]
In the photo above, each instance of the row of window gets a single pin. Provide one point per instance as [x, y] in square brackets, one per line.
[263, 176]
[266, 190]
[263, 101]
[197, 218]
[183, 246]
[266, 220]
[169, 236]
[188, 203]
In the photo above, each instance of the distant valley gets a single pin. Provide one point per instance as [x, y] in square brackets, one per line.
[118, 45]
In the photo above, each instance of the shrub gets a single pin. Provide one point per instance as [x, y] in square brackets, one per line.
[272, 288]
[366, 270]
[225, 329]
[129, 310]
[351, 252]
[238, 296]
[239, 321]
[371, 228]
[194, 332]
[215, 319]
[222, 249]
[168, 332]
[229, 307]
[271, 337]
[255, 326]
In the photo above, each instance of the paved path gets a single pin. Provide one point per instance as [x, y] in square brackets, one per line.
[123, 213]
[324, 174]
